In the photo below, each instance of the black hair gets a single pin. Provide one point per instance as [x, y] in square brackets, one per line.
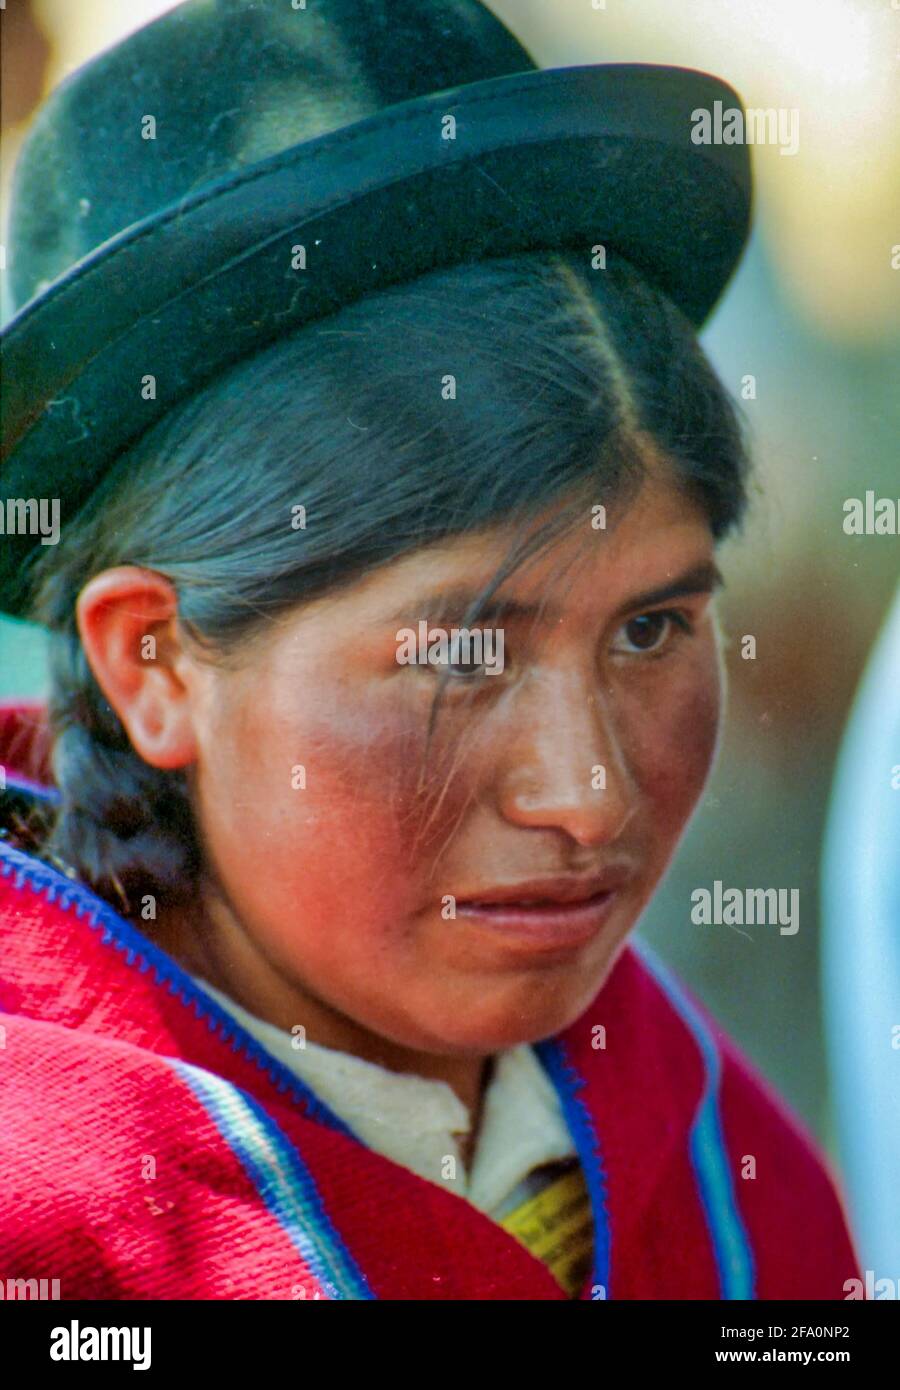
[563, 374]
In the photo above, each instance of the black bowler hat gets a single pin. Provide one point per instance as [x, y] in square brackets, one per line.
[240, 167]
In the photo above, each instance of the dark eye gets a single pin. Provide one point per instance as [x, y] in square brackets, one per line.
[463, 670]
[462, 662]
[648, 631]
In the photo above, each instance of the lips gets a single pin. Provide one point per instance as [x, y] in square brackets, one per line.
[545, 892]
[541, 915]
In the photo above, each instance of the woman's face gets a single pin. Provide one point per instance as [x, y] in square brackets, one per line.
[426, 894]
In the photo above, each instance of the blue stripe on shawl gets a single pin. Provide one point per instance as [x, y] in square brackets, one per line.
[709, 1156]
[282, 1180]
[568, 1082]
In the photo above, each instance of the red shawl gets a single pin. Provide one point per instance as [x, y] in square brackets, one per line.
[150, 1148]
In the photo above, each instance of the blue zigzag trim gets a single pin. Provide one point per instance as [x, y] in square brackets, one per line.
[568, 1083]
[709, 1155]
[140, 951]
[281, 1177]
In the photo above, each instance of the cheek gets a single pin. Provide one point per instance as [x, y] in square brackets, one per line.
[674, 739]
[357, 833]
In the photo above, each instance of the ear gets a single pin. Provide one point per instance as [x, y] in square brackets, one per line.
[127, 620]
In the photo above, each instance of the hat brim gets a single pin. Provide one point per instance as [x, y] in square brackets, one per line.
[551, 158]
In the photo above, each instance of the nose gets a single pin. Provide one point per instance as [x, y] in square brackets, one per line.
[565, 767]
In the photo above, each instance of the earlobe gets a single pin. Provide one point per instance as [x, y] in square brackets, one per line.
[127, 621]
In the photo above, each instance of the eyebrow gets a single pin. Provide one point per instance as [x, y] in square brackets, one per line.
[442, 604]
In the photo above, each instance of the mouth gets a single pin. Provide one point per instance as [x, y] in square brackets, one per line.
[545, 916]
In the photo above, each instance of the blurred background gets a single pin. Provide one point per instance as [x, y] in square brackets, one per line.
[812, 316]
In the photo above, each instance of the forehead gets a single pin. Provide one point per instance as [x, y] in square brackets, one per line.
[658, 536]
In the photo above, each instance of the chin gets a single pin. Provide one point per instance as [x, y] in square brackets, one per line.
[535, 1009]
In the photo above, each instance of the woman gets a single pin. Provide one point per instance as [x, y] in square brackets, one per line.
[386, 678]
